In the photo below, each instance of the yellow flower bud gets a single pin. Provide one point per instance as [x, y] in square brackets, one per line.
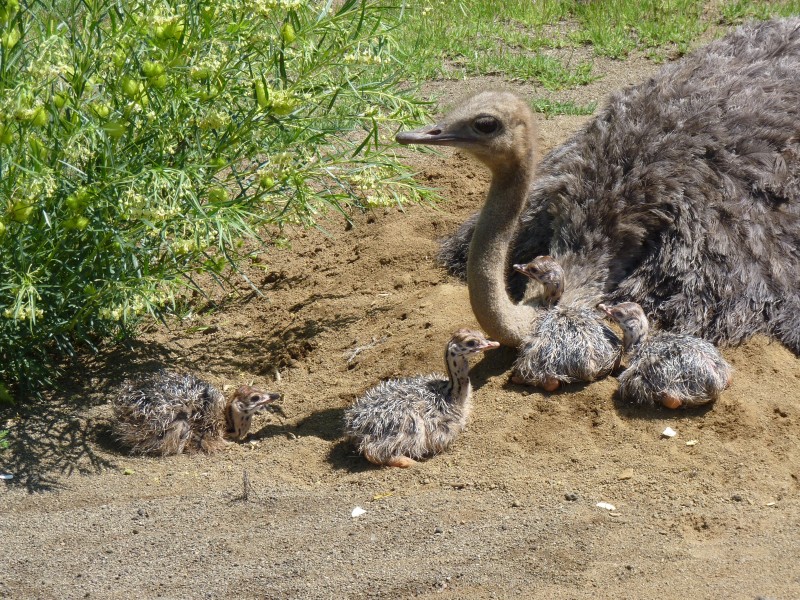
[288, 34]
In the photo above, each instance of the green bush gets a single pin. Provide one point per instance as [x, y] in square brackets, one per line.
[141, 141]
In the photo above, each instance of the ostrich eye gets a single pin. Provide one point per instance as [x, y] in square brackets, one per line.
[255, 398]
[486, 124]
[471, 343]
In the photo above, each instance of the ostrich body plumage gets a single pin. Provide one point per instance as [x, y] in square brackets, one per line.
[166, 413]
[567, 344]
[406, 417]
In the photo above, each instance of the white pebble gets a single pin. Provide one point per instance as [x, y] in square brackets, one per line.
[606, 506]
[357, 512]
[669, 432]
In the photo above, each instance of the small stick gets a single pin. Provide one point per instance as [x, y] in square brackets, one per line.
[247, 487]
[359, 349]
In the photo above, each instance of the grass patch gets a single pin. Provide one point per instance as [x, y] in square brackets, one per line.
[616, 27]
[550, 108]
[733, 13]
[551, 73]
[475, 37]
[481, 37]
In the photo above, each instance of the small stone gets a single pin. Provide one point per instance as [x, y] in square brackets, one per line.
[438, 530]
[737, 498]
[403, 281]
[571, 497]
[626, 474]
[669, 432]
[516, 503]
[691, 442]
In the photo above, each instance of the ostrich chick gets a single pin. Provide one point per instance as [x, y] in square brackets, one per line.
[400, 420]
[566, 343]
[671, 368]
[166, 413]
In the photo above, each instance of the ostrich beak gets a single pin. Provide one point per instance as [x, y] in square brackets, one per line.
[259, 400]
[270, 397]
[431, 135]
[521, 269]
[605, 309]
[489, 345]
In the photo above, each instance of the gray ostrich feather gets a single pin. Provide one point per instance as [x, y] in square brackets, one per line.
[682, 194]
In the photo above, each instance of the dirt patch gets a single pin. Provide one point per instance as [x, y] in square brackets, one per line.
[509, 512]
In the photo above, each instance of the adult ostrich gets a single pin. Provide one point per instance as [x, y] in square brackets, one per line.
[682, 194]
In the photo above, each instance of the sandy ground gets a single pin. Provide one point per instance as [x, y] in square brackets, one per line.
[509, 512]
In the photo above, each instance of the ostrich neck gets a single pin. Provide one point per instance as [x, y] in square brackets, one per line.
[459, 388]
[229, 416]
[236, 424]
[499, 317]
[553, 291]
[634, 336]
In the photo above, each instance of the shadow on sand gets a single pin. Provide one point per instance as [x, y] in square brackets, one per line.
[48, 441]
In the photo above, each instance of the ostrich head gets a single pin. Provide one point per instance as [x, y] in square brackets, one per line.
[246, 402]
[631, 319]
[465, 342]
[496, 127]
[547, 271]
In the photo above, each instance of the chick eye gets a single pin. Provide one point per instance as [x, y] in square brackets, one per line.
[255, 398]
[471, 343]
[486, 124]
